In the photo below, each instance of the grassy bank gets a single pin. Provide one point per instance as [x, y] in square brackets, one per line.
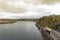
[5, 21]
[52, 21]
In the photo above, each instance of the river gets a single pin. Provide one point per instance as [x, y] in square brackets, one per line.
[22, 30]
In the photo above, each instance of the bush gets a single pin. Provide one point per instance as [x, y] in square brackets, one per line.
[50, 21]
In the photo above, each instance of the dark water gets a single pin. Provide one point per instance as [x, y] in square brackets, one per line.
[23, 30]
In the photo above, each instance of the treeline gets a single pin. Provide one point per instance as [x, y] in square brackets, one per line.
[52, 21]
[6, 21]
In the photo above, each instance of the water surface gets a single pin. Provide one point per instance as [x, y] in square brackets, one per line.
[23, 30]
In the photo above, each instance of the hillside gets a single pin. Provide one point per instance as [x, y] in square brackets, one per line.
[52, 21]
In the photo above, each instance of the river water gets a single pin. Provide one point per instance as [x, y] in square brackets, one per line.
[22, 30]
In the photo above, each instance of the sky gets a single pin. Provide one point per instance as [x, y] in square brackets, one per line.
[22, 9]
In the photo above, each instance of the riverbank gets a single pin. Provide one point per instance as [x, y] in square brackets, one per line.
[48, 34]
[5, 21]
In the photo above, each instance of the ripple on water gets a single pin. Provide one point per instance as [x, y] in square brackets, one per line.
[23, 30]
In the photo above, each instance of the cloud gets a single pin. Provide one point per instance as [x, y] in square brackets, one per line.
[56, 9]
[14, 7]
[21, 9]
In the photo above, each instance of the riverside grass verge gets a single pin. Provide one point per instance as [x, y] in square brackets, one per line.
[52, 21]
[9, 21]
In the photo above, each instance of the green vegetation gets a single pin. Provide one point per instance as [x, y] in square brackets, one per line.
[52, 21]
[6, 21]
[9, 21]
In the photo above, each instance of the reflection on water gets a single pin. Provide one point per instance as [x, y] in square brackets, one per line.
[23, 30]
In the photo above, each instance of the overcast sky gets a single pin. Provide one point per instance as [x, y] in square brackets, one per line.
[27, 9]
